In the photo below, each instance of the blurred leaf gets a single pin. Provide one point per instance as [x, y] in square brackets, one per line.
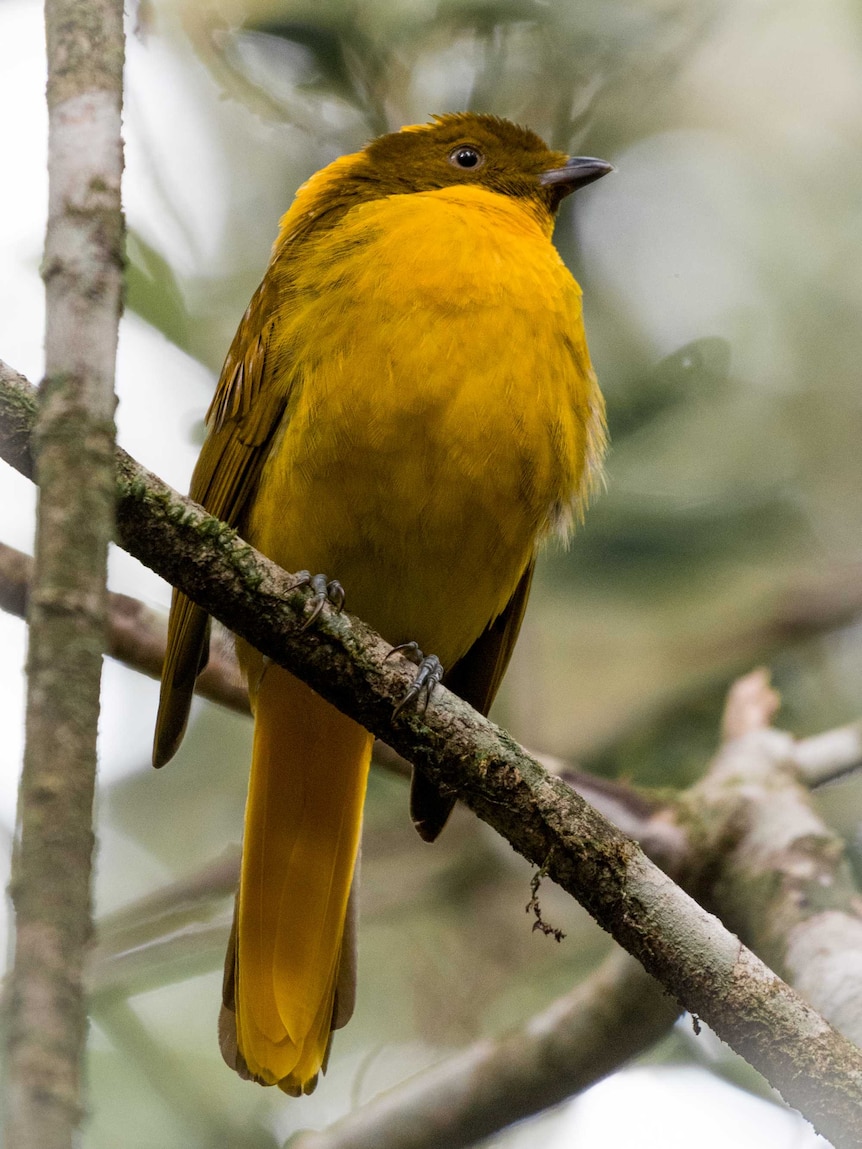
[679, 541]
[153, 291]
[700, 368]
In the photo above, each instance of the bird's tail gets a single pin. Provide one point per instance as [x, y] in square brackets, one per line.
[289, 972]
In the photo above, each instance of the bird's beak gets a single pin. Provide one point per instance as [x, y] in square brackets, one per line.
[575, 173]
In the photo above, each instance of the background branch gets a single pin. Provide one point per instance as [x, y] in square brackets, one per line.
[136, 634]
[777, 874]
[616, 1013]
[825, 757]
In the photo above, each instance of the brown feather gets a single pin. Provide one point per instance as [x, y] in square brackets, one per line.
[242, 418]
[476, 678]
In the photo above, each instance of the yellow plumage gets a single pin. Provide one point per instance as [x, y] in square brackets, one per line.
[408, 406]
[442, 422]
[302, 827]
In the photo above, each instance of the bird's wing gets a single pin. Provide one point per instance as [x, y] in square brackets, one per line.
[475, 677]
[243, 417]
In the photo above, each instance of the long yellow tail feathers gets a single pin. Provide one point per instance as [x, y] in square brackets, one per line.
[290, 967]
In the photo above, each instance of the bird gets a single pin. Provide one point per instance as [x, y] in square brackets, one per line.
[409, 406]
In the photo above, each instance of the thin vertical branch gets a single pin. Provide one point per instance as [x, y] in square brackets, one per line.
[74, 458]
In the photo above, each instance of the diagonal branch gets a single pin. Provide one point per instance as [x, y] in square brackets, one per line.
[788, 892]
[770, 863]
[160, 937]
[687, 949]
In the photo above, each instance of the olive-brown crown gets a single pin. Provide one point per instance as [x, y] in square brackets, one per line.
[461, 148]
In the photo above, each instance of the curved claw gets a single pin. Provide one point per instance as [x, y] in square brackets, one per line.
[325, 591]
[429, 674]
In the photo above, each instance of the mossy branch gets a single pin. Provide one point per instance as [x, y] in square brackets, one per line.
[703, 965]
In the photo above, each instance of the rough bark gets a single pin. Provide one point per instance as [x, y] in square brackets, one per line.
[73, 448]
[776, 873]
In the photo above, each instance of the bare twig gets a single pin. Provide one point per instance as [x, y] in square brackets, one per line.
[16, 576]
[74, 452]
[751, 705]
[195, 897]
[825, 757]
[167, 935]
[777, 873]
[174, 957]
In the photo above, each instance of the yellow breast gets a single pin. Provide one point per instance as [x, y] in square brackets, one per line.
[443, 412]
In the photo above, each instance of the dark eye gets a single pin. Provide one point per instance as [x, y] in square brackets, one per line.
[466, 156]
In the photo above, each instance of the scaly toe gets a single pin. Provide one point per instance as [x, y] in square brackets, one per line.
[325, 591]
[429, 674]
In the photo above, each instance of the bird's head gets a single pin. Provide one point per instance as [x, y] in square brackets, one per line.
[461, 148]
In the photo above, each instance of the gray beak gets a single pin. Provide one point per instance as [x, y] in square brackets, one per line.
[575, 173]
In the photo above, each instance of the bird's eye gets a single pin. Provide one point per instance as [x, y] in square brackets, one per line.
[465, 156]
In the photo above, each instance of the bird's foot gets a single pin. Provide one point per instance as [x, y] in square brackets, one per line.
[428, 675]
[325, 591]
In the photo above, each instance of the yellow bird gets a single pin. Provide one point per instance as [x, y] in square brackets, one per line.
[408, 405]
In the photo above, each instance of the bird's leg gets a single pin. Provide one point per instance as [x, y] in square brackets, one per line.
[325, 591]
[429, 674]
